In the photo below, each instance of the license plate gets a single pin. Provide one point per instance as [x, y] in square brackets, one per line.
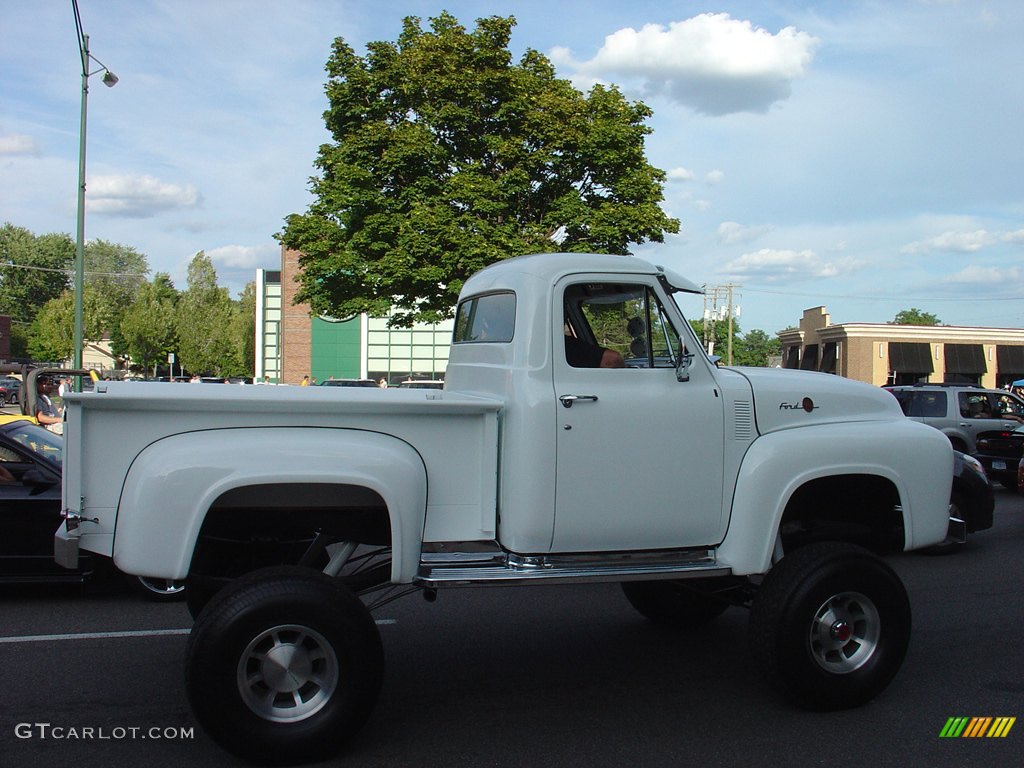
[998, 465]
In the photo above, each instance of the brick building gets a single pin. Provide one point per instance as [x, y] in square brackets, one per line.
[882, 353]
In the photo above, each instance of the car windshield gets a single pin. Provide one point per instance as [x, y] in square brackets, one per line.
[40, 442]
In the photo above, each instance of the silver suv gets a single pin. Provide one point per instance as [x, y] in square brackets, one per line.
[961, 411]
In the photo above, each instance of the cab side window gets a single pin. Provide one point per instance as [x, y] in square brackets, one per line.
[618, 325]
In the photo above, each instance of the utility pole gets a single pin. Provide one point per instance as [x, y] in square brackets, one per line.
[714, 313]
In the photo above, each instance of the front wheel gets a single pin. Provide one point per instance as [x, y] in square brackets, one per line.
[830, 626]
[284, 666]
[158, 590]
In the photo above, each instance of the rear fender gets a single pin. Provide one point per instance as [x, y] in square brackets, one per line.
[172, 484]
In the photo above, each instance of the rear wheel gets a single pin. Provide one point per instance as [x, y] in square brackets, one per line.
[283, 666]
[830, 626]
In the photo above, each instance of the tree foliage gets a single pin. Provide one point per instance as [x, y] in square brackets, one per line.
[147, 325]
[142, 319]
[203, 322]
[754, 348]
[52, 331]
[33, 270]
[447, 157]
[915, 316]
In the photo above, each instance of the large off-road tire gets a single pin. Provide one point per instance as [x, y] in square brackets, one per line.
[684, 604]
[284, 666]
[830, 626]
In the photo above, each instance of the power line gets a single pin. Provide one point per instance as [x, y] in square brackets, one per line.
[880, 298]
[71, 271]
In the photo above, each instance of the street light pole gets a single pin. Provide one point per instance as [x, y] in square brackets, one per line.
[80, 231]
[109, 80]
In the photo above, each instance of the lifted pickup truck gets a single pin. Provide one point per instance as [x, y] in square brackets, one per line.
[581, 435]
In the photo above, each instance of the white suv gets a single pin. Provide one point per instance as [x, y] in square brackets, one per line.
[961, 411]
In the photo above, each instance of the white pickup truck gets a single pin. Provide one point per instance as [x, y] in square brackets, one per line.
[581, 436]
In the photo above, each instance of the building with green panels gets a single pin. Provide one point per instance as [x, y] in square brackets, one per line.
[336, 349]
[290, 344]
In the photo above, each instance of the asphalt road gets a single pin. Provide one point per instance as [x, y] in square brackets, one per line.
[547, 676]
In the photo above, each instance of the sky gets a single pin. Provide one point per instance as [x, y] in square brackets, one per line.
[865, 156]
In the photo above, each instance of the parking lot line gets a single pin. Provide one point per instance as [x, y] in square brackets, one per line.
[94, 635]
[129, 633]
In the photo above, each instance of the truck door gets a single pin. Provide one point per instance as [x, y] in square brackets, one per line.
[639, 453]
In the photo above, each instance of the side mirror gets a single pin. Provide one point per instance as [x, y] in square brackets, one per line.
[683, 366]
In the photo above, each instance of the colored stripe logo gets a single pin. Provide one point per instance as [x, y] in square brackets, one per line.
[977, 727]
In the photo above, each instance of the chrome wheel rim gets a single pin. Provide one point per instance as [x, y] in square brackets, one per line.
[287, 673]
[162, 586]
[845, 632]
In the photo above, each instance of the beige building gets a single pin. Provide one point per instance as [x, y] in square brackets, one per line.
[881, 353]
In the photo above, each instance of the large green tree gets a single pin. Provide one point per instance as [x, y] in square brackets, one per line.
[33, 270]
[116, 272]
[51, 335]
[203, 322]
[147, 325]
[447, 157]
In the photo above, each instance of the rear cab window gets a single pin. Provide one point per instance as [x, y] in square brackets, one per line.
[490, 318]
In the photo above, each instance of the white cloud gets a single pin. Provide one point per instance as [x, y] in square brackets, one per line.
[244, 256]
[976, 275]
[138, 196]
[771, 265]
[680, 174]
[18, 145]
[712, 63]
[715, 177]
[957, 242]
[732, 232]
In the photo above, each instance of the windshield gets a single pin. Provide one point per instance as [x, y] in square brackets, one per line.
[41, 443]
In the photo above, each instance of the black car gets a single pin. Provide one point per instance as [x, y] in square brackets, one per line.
[30, 503]
[971, 500]
[1000, 451]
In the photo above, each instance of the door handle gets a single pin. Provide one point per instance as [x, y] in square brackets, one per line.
[568, 400]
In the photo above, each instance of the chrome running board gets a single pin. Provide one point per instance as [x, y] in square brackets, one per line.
[481, 568]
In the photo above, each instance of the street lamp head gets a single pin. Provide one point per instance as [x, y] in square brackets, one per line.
[109, 79]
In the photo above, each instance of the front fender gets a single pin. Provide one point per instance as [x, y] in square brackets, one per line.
[172, 484]
[917, 459]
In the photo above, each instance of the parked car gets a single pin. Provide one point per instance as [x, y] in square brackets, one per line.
[348, 383]
[961, 411]
[30, 506]
[421, 384]
[1000, 452]
[971, 500]
[10, 390]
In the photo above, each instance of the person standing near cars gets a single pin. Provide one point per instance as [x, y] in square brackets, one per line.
[46, 412]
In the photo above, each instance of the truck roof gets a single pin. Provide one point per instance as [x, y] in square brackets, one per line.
[549, 267]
